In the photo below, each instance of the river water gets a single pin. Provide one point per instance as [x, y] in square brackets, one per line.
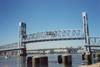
[21, 61]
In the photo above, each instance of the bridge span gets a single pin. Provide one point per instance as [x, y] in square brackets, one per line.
[54, 35]
[72, 34]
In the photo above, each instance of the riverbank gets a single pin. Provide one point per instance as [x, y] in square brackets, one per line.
[92, 65]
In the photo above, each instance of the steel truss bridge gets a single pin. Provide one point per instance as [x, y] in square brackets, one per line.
[54, 35]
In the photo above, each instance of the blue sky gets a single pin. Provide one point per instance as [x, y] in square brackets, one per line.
[43, 15]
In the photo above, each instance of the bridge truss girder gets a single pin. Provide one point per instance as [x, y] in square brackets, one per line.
[11, 46]
[72, 34]
[94, 40]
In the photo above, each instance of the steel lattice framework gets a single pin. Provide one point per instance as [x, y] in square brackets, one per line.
[94, 40]
[11, 46]
[72, 34]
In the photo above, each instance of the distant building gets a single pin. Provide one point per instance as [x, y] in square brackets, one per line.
[80, 51]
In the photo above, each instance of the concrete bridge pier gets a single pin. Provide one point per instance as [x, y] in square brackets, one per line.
[22, 52]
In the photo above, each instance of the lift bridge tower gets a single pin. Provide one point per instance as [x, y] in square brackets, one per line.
[22, 31]
[86, 30]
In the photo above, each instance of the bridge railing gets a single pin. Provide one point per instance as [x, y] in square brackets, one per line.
[72, 33]
[94, 40]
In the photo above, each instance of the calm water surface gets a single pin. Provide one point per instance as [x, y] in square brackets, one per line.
[16, 61]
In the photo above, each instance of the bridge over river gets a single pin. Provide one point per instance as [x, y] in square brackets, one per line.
[53, 35]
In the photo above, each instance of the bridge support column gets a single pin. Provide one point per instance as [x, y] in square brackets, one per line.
[23, 52]
[67, 60]
[86, 31]
[29, 62]
[90, 50]
[59, 59]
[88, 59]
[40, 61]
[86, 49]
[98, 57]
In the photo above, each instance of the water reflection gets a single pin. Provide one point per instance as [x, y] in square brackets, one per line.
[22, 61]
[14, 61]
[29, 62]
[68, 66]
